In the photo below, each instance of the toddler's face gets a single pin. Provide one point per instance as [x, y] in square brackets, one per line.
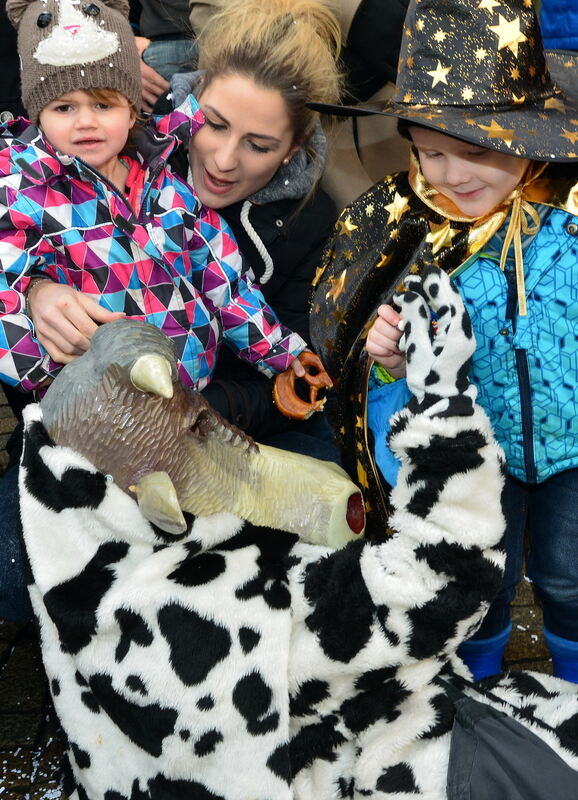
[77, 124]
[475, 178]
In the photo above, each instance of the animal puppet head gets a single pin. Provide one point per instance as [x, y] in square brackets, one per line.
[122, 407]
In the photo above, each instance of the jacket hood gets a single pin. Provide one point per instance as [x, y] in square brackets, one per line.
[292, 181]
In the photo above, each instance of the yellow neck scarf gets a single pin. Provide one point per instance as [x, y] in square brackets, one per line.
[524, 218]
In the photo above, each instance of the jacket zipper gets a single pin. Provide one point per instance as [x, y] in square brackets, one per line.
[523, 373]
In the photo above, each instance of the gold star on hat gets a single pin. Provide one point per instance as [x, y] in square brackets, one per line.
[479, 73]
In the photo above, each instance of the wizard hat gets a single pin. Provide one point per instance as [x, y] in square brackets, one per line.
[476, 70]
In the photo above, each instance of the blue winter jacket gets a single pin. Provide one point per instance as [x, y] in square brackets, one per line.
[525, 368]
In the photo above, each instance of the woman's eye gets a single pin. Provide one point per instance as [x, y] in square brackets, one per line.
[259, 148]
[216, 126]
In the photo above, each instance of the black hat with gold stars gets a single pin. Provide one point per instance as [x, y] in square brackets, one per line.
[476, 70]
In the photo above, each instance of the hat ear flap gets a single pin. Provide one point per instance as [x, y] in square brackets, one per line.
[15, 10]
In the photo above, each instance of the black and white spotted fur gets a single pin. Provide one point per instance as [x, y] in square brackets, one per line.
[238, 663]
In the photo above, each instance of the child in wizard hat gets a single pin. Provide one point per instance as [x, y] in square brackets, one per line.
[491, 197]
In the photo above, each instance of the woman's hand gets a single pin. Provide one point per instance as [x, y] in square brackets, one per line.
[65, 319]
[383, 339]
[298, 368]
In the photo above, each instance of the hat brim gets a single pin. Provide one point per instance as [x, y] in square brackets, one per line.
[542, 132]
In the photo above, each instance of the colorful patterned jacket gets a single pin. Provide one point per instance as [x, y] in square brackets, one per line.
[174, 264]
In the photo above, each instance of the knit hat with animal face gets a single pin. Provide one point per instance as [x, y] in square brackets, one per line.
[66, 45]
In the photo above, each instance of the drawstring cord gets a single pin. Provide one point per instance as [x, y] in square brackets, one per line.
[254, 237]
[519, 223]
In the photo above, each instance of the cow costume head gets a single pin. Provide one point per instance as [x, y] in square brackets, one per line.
[122, 406]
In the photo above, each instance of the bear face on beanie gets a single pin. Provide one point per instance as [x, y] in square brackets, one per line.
[67, 45]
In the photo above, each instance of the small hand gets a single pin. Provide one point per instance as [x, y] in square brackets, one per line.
[298, 368]
[65, 319]
[383, 341]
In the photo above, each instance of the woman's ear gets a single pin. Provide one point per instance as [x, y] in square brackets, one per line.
[291, 153]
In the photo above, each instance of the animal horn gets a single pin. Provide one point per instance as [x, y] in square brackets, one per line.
[157, 499]
[152, 373]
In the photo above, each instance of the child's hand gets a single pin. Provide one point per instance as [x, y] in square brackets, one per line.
[65, 319]
[382, 341]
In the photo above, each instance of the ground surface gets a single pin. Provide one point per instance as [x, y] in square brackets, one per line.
[30, 741]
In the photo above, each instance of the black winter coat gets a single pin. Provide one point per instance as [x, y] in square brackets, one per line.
[295, 239]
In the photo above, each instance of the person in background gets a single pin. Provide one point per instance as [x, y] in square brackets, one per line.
[491, 197]
[361, 151]
[165, 44]
[559, 24]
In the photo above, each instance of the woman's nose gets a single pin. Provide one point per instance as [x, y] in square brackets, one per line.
[226, 157]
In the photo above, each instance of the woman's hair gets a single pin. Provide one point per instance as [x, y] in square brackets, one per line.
[291, 46]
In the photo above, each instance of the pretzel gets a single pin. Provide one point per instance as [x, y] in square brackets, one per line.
[286, 398]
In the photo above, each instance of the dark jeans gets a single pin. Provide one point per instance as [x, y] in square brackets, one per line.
[549, 513]
[168, 56]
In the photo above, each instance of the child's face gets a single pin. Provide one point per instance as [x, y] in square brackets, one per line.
[77, 124]
[475, 178]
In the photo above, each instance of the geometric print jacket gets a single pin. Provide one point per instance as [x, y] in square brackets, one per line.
[174, 264]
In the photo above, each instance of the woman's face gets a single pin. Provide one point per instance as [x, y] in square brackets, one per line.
[246, 136]
[475, 178]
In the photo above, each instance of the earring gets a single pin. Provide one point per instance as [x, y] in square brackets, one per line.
[286, 160]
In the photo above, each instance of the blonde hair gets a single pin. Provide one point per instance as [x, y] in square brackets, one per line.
[291, 46]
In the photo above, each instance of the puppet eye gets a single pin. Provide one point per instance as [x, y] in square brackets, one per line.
[44, 20]
[91, 10]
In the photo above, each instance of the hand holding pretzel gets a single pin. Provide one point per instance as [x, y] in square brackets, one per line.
[284, 392]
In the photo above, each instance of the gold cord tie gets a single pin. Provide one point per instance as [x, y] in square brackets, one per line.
[524, 219]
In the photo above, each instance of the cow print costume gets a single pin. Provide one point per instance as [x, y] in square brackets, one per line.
[238, 663]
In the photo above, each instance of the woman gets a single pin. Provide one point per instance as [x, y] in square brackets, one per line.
[257, 161]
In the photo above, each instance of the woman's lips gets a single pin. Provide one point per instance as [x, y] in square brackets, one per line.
[216, 185]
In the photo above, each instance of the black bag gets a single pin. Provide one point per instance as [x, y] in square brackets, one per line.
[495, 757]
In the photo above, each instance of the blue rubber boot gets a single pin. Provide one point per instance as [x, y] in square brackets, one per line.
[564, 654]
[484, 656]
